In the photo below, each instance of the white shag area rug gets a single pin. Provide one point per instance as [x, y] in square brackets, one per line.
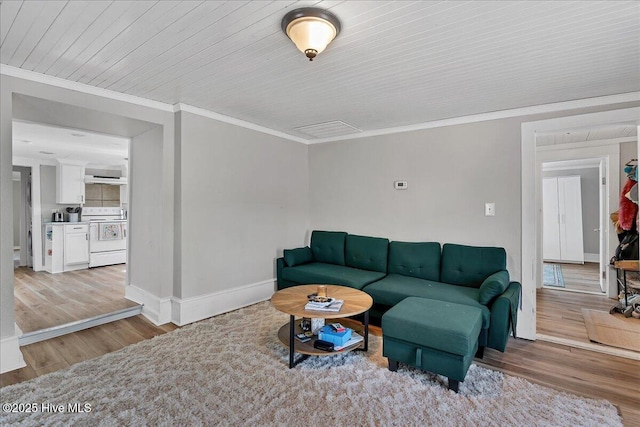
[232, 370]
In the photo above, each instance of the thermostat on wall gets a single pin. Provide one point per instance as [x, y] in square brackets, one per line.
[400, 185]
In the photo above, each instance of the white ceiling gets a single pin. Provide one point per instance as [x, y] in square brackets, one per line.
[50, 143]
[395, 63]
[567, 136]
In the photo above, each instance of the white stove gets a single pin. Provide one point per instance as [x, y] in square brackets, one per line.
[107, 235]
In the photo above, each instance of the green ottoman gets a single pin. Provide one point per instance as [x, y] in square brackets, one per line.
[436, 336]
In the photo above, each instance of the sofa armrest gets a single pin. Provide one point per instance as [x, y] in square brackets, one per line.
[504, 316]
[279, 267]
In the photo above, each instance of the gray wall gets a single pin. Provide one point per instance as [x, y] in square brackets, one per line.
[145, 214]
[451, 172]
[244, 198]
[590, 191]
[17, 198]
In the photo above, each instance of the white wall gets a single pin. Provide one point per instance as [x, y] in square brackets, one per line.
[244, 198]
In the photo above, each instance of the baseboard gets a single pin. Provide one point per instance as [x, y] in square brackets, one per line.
[591, 257]
[190, 310]
[80, 325]
[10, 354]
[156, 309]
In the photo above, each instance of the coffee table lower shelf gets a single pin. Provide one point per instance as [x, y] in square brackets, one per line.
[306, 349]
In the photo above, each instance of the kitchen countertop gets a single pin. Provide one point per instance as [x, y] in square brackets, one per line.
[66, 223]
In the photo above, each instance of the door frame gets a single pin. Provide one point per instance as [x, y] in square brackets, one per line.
[608, 167]
[530, 194]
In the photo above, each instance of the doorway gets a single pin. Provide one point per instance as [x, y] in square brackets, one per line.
[51, 301]
[531, 243]
[574, 224]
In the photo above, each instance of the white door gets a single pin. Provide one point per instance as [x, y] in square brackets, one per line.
[562, 219]
[571, 233]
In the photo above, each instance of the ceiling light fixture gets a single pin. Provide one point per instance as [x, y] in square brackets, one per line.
[311, 29]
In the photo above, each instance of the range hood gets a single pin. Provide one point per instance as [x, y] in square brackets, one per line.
[113, 180]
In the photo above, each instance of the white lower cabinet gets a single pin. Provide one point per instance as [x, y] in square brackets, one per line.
[66, 247]
[76, 246]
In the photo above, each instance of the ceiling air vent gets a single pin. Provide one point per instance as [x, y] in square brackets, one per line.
[328, 129]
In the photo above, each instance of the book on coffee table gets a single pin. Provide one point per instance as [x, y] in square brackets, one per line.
[333, 306]
[355, 339]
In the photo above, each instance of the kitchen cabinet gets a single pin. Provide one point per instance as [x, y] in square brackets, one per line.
[70, 183]
[562, 219]
[76, 246]
[66, 246]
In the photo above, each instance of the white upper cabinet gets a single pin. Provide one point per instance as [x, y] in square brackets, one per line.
[70, 183]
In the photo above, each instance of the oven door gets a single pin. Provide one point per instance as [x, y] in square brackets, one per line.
[107, 236]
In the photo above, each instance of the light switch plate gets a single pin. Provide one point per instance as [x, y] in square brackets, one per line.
[489, 209]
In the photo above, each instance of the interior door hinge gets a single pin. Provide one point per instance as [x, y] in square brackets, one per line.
[604, 274]
[604, 180]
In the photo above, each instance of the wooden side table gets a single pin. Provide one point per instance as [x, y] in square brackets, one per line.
[623, 267]
[292, 301]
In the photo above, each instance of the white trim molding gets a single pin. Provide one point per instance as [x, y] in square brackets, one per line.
[190, 310]
[156, 309]
[495, 115]
[33, 76]
[591, 257]
[11, 71]
[10, 354]
[231, 120]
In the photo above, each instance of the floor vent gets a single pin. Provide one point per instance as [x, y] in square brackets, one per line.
[328, 129]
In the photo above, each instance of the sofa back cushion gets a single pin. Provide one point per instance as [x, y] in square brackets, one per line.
[367, 253]
[299, 256]
[420, 260]
[470, 265]
[328, 246]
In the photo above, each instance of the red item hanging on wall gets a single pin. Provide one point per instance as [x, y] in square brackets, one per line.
[628, 209]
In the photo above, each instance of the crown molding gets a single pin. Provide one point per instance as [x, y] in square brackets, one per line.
[33, 76]
[227, 119]
[9, 70]
[494, 115]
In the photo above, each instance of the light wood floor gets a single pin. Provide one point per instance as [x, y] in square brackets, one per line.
[561, 367]
[60, 353]
[559, 313]
[581, 277]
[43, 300]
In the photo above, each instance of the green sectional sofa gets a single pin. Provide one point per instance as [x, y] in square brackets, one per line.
[392, 271]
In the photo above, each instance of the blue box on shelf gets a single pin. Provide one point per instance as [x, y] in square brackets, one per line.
[327, 333]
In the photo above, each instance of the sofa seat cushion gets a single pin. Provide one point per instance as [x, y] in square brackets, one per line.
[317, 272]
[395, 287]
[444, 326]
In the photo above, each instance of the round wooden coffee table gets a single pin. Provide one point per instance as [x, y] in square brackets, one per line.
[292, 301]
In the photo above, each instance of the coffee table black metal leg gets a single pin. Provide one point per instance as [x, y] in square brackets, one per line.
[366, 330]
[292, 332]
